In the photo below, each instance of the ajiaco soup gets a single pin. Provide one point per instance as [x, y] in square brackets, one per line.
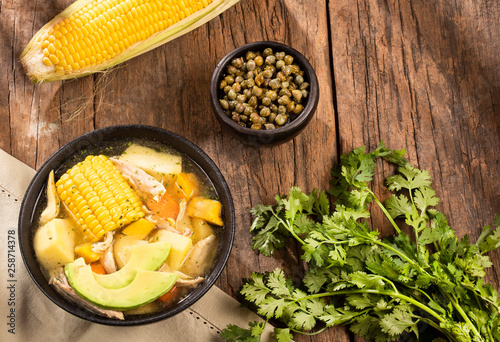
[128, 233]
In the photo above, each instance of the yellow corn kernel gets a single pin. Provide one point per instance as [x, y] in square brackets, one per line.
[107, 21]
[98, 212]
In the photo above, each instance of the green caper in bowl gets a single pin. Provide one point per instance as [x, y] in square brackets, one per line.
[264, 93]
[263, 90]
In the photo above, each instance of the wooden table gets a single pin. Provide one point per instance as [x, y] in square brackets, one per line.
[420, 75]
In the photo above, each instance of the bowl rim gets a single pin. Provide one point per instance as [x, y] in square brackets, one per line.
[299, 122]
[36, 189]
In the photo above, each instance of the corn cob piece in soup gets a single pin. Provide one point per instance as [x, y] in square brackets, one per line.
[113, 221]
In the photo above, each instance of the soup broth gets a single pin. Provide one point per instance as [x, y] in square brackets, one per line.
[116, 214]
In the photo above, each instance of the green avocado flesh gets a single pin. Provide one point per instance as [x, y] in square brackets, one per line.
[148, 257]
[144, 288]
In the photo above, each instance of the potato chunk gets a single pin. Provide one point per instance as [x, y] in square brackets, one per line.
[160, 165]
[181, 245]
[54, 244]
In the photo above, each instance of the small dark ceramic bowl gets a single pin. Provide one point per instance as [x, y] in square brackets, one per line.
[101, 141]
[274, 136]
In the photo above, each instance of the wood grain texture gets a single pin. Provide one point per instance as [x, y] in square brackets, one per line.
[424, 76]
[418, 75]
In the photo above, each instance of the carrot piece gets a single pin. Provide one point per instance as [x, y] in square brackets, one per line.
[97, 268]
[170, 296]
[165, 208]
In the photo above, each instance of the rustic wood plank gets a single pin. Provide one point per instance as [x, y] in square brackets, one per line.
[424, 76]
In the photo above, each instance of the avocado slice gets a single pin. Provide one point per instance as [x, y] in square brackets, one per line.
[148, 257]
[145, 288]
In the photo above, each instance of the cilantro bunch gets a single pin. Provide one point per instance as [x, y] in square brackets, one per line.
[385, 289]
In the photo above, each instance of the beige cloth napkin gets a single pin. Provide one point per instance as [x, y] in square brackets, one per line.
[27, 315]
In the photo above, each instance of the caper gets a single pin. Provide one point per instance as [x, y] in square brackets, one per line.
[292, 86]
[224, 104]
[249, 55]
[242, 124]
[252, 101]
[266, 101]
[285, 84]
[239, 79]
[250, 83]
[286, 70]
[295, 68]
[265, 112]
[290, 107]
[247, 92]
[304, 85]
[275, 83]
[262, 120]
[232, 70]
[232, 104]
[269, 126]
[236, 87]
[259, 79]
[271, 117]
[256, 126]
[305, 93]
[280, 64]
[254, 117]
[251, 65]
[257, 91]
[241, 98]
[280, 55]
[281, 110]
[284, 100]
[229, 79]
[248, 110]
[267, 52]
[231, 94]
[280, 119]
[272, 95]
[268, 73]
[273, 108]
[237, 62]
[236, 118]
[223, 84]
[297, 94]
[280, 76]
[299, 79]
[259, 60]
[298, 109]
[239, 108]
[270, 60]
[250, 75]
[288, 59]
[285, 92]
[243, 117]
[227, 89]
[272, 68]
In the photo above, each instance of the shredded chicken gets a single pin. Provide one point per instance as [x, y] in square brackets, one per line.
[186, 281]
[162, 224]
[101, 247]
[205, 250]
[62, 285]
[183, 222]
[53, 202]
[146, 186]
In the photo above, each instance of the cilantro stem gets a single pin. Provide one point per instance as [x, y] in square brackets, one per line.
[386, 213]
[465, 316]
[372, 291]
[289, 227]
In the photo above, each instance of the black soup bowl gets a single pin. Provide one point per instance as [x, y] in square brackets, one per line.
[107, 141]
[263, 137]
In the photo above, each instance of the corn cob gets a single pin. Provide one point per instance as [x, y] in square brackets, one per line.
[93, 35]
[98, 196]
